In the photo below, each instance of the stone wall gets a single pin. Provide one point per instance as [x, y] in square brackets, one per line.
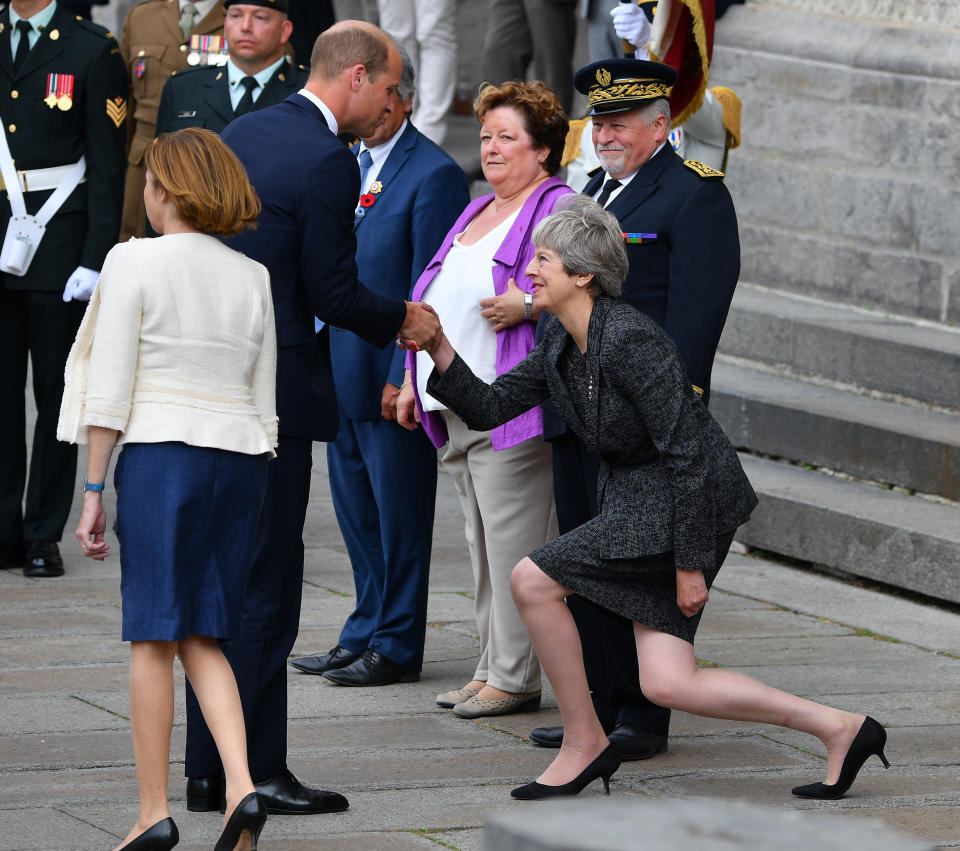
[847, 182]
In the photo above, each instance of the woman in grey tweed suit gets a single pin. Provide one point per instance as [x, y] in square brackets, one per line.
[672, 493]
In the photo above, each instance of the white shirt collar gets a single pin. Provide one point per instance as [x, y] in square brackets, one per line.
[626, 178]
[235, 75]
[327, 114]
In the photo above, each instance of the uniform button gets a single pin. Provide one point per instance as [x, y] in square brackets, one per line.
[12, 128]
[183, 48]
[14, 94]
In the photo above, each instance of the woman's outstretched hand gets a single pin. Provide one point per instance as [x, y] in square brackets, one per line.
[90, 529]
[503, 311]
[692, 593]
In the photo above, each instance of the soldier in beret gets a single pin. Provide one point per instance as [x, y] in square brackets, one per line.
[256, 74]
[63, 100]
[680, 230]
[160, 37]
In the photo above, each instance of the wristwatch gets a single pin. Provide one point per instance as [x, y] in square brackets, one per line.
[92, 486]
[528, 305]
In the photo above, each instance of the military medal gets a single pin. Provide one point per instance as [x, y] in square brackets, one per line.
[59, 91]
[193, 57]
[637, 238]
[376, 188]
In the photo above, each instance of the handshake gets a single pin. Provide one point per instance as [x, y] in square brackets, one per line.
[421, 329]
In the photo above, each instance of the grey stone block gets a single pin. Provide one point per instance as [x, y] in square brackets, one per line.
[864, 530]
[667, 825]
[869, 438]
[868, 349]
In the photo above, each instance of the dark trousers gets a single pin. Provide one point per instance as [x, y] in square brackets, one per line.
[39, 325]
[269, 625]
[541, 31]
[383, 480]
[609, 649]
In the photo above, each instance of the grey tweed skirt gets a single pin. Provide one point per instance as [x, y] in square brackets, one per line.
[643, 589]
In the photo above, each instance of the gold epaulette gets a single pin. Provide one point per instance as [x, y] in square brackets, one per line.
[702, 169]
[571, 148]
[729, 100]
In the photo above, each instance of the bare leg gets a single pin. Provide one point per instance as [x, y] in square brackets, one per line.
[540, 602]
[213, 682]
[670, 677]
[151, 720]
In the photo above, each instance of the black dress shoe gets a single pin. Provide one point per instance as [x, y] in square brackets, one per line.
[12, 555]
[43, 559]
[633, 743]
[372, 669]
[206, 794]
[339, 657]
[547, 737]
[285, 795]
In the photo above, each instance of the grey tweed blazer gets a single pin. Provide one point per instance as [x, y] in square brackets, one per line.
[669, 478]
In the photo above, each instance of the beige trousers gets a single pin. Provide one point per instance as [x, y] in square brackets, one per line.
[507, 502]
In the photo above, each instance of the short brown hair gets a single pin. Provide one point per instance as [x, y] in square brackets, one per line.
[206, 182]
[543, 116]
[347, 44]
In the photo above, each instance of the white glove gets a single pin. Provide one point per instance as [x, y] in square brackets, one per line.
[81, 284]
[631, 24]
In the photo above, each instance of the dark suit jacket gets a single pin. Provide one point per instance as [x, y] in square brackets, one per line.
[423, 192]
[308, 182]
[87, 225]
[684, 278]
[669, 478]
[200, 97]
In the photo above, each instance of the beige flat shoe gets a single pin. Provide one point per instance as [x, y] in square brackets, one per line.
[449, 699]
[477, 707]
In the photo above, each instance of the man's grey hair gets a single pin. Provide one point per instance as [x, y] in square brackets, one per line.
[587, 240]
[650, 111]
[407, 75]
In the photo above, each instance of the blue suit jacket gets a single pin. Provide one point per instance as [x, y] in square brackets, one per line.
[308, 183]
[423, 192]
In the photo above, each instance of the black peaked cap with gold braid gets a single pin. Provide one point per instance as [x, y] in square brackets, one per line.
[615, 85]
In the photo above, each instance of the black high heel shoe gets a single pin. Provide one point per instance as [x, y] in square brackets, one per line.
[870, 740]
[160, 837]
[603, 767]
[249, 816]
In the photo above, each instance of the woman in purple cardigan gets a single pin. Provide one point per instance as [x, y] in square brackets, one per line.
[503, 477]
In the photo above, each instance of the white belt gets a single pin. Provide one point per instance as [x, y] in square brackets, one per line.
[40, 179]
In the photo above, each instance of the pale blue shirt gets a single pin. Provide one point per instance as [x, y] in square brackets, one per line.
[38, 22]
[235, 75]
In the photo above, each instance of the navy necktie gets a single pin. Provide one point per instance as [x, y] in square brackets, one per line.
[365, 160]
[23, 47]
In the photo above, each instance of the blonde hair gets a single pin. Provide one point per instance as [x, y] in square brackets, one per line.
[206, 182]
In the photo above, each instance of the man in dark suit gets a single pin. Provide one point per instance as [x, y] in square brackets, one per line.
[682, 242]
[383, 478]
[308, 182]
[63, 94]
[257, 74]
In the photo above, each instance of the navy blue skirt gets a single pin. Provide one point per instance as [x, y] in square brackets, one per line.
[187, 522]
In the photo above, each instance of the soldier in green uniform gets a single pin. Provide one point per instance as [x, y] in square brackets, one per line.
[257, 73]
[63, 97]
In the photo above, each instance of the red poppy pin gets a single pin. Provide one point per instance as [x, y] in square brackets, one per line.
[367, 200]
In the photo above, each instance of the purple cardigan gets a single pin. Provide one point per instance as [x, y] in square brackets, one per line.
[516, 342]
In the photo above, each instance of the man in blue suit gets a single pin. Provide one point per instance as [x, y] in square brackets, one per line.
[383, 478]
[308, 182]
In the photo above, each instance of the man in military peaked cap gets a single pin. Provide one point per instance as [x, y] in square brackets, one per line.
[63, 100]
[160, 37]
[256, 74]
[680, 233]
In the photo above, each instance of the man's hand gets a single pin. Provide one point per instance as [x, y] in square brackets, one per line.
[388, 401]
[407, 414]
[502, 311]
[692, 592]
[421, 326]
[81, 284]
[631, 24]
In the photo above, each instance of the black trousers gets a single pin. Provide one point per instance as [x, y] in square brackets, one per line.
[609, 649]
[39, 325]
[269, 626]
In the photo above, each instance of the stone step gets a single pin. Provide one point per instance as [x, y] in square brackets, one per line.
[880, 352]
[869, 438]
[905, 541]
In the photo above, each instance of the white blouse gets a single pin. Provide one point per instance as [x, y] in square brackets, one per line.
[178, 344]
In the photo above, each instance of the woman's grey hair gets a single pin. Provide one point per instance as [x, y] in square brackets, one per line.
[588, 240]
[406, 86]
